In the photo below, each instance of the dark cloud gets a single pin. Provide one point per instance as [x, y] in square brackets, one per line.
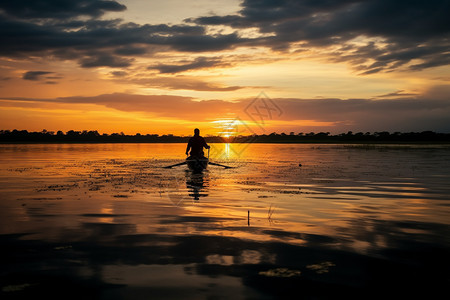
[198, 63]
[59, 9]
[97, 43]
[105, 60]
[396, 94]
[130, 51]
[409, 30]
[205, 43]
[54, 28]
[35, 75]
[390, 114]
[119, 73]
[399, 34]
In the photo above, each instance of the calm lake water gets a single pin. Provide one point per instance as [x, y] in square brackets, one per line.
[107, 221]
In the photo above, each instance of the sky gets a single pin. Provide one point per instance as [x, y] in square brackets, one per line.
[226, 67]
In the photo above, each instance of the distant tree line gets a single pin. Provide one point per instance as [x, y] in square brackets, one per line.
[93, 136]
[85, 136]
[359, 137]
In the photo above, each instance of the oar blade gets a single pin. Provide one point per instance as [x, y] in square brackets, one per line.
[220, 165]
[175, 165]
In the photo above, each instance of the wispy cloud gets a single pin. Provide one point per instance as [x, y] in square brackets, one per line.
[42, 76]
[198, 63]
[181, 82]
[35, 75]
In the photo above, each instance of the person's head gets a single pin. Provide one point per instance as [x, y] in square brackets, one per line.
[196, 131]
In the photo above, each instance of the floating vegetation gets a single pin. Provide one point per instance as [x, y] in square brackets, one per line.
[58, 187]
[321, 268]
[23, 169]
[16, 287]
[40, 198]
[62, 247]
[281, 273]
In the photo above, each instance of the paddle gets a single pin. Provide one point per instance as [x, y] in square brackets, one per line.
[216, 164]
[211, 163]
[179, 164]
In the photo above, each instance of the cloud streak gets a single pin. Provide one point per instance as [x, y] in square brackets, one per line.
[197, 64]
[180, 82]
[35, 75]
[422, 112]
[42, 76]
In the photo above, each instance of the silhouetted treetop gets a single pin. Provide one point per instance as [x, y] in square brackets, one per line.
[93, 136]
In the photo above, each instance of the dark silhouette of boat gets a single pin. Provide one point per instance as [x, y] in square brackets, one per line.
[197, 164]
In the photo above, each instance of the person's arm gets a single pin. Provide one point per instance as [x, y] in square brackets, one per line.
[205, 144]
[188, 148]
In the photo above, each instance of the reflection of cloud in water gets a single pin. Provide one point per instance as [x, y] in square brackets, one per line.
[110, 255]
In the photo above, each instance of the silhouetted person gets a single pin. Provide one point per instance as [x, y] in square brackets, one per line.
[196, 145]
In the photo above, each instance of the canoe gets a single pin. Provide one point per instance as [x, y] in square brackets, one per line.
[197, 164]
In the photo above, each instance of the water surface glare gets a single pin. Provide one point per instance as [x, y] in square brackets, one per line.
[107, 221]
